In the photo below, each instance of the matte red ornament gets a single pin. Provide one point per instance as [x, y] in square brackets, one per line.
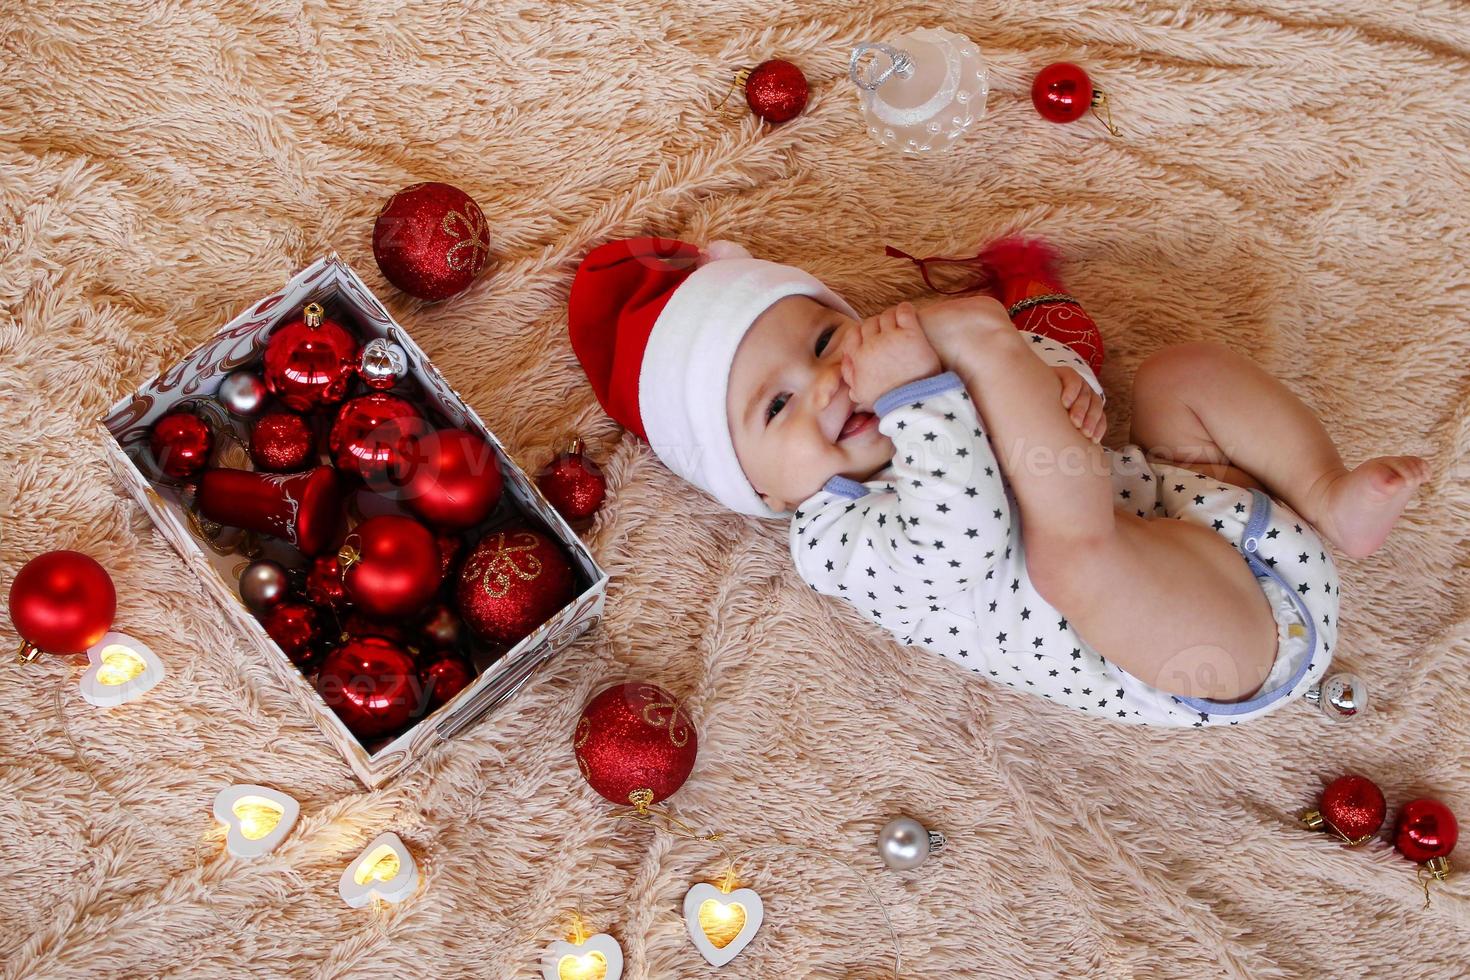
[1426, 830]
[573, 484]
[451, 478]
[296, 627]
[391, 566]
[635, 744]
[776, 90]
[1352, 809]
[372, 685]
[512, 582]
[303, 509]
[281, 442]
[324, 583]
[431, 240]
[181, 443]
[310, 361]
[375, 436]
[443, 675]
[61, 602]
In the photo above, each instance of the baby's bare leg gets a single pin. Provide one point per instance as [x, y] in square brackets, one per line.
[1169, 602]
[1202, 405]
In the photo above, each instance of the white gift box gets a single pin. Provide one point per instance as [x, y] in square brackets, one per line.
[239, 343]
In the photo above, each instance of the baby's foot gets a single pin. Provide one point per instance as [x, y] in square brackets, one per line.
[1357, 508]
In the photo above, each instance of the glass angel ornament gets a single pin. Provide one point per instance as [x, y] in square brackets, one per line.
[923, 91]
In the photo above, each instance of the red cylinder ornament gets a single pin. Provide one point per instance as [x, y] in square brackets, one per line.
[281, 442]
[776, 90]
[181, 443]
[1352, 808]
[391, 566]
[442, 675]
[310, 361]
[511, 583]
[431, 240]
[374, 437]
[303, 509]
[451, 479]
[635, 744]
[372, 685]
[61, 602]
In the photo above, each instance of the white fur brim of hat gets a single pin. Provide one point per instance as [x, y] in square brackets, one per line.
[684, 378]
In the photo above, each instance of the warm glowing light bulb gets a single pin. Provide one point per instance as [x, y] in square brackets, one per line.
[591, 966]
[258, 817]
[721, 922]
[382, 865]
[119, 665]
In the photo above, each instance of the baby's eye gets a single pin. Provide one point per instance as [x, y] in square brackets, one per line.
[777, 403]
[823, 340]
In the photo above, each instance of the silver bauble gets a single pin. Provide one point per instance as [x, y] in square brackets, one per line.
[1341, 696]
[905, 843]
[243, 393]
[382, 364]
[263, 584]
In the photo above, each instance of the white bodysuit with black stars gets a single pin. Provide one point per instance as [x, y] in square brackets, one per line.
[930, 549]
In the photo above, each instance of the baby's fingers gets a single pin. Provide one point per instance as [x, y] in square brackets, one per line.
[1071, 387]
[1097, 421]
[906, 316]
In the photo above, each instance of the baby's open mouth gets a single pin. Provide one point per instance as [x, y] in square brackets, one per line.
[856, 423]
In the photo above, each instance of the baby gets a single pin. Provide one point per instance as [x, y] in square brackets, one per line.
[945, 477]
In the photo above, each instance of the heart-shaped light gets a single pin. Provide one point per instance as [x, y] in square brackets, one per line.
[721, 923]
[385, 870]
[597, 957]
[258, 818]
[120, 669]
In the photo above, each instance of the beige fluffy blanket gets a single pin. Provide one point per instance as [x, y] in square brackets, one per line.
[1292, 181]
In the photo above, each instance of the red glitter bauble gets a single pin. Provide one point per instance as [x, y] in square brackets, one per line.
[451, 479]
[1062, 92]
[573, 484]
[296, 628]
[391, 566]
[371, 683]
[776, 90]
[374, 437]
[310, 361]
[635, 744]
[62, 602]
[431, 240]
[443, 675]
[324, 583]
[511, 583]
[181, 444]
[1426, 830]
[1354, 806]
[281, 442]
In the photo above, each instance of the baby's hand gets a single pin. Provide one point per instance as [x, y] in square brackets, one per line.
[1083, 404]
[888, 350]
[951, 324]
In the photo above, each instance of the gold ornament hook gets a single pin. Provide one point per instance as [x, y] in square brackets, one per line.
[740, 77]
[1435, 869]
[313, 314]
[26, 653]
[348, 556]
[1100, 101]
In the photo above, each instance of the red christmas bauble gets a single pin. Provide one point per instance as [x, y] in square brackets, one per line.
[1062, 92]
[511, 583]
[62, 602]
[310, 361]
[324, 583]
[776, 90]
[357, 626]
[181, 443]
[573, 484]
[431, 240]
[374, 438]
[281, 442]
[296, 628]
[1353, 805]
[1426, 830]
[451, 479]
[443, 675]
[635, 744]
[391, 566]
[371, 684]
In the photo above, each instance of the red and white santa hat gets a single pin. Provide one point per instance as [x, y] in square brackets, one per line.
[655, 323]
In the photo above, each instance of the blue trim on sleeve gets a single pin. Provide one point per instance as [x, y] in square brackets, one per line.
[844, 487]
[923, 388]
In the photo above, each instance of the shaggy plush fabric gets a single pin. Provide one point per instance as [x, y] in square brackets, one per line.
[1290, 182]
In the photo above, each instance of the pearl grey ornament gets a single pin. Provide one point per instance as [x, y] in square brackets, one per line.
[1341, 697]
[382, 364]
[263, 584]
[904, 844]
[243, 393]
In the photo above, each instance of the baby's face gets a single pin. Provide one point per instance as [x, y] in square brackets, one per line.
[792, 419]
